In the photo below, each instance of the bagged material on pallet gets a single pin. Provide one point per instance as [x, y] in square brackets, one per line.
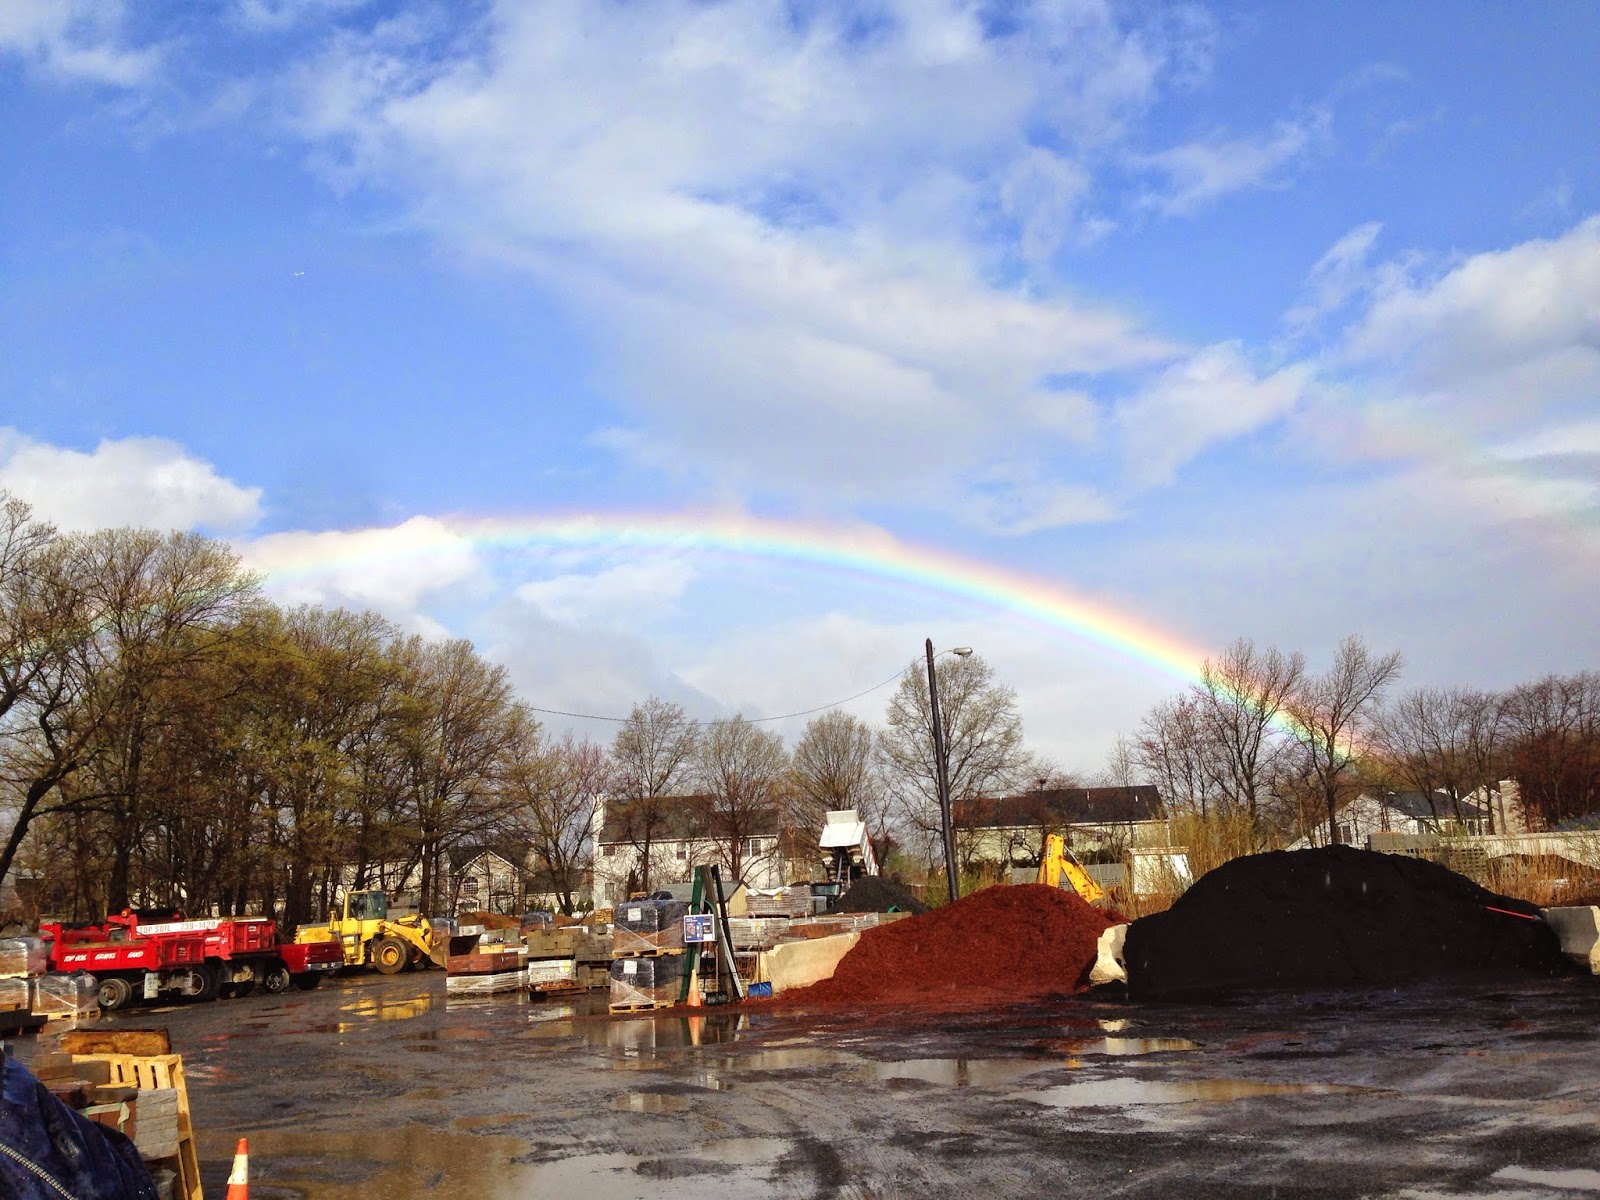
[646, 982]
[484, 985]
[23, 958]
[781, 902]
[65, 996]
[648, 927]
[552, 971]
[15, 995]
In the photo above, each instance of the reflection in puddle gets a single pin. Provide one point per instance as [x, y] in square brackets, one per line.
[389, 1010]
[1576, 1178]
[734, 1169]
[651, 1102]
[959, 1072]
[1124, 1093]
[1118, 1046]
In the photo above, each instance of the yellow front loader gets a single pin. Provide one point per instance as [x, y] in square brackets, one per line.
[369, 937]
[1057, 863]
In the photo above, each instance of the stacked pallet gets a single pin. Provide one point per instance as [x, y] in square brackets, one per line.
[647, 951]
[130, 1081]
[567, 958]
[792, 901]
[30, 995]
[484, 972]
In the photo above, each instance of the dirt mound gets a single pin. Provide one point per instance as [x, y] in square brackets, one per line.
[1332, 917]
[873, 893]
[996, 946]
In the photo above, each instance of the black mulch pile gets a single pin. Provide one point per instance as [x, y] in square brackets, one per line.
[1329, 918]
[874, 893]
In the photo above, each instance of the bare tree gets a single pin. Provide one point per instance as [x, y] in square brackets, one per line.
[1176, 748]
[743, 771]
[1329, 713]
[835, 768]
[650, 758]
[1443, 740]
[554, 786]
[982, 735]
[454, 733]
[1241, 694]
[1552, 730]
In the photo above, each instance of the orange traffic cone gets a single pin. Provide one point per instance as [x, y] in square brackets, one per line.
[239, 1177]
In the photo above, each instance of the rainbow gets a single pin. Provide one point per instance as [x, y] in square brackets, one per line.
[858, 551]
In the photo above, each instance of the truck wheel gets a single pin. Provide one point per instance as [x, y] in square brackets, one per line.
[209, 982]
[275, 979]
[113, 993]
[308, 981]
[389, 955]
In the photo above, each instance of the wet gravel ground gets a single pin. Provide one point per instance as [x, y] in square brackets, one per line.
[382, 1087]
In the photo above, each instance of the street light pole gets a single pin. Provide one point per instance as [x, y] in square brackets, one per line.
[941, 758]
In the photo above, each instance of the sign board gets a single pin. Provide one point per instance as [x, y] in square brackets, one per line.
[699, 927]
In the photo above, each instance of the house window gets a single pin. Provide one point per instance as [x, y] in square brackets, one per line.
[1344, 835]
[607, 851]
[469, 886]
[683, 850]
[753, 846]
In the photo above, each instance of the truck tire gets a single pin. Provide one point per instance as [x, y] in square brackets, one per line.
[114, 992]
[210, 981]
[275, 978]
[390, 954]
[308, 981]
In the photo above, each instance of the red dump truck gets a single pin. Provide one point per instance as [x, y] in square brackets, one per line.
[141, 954]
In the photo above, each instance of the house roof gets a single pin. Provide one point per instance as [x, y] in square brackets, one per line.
[1416, 805]
[678, 819]
[1068, 806]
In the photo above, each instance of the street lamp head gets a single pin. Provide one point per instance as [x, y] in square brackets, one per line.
[962, 651]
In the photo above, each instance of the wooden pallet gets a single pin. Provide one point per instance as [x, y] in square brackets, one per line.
[160, 1071]
[644, 1006]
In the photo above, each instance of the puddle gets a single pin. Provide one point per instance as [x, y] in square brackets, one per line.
[733, 1169]
[789, 1060]
[959, 1072]
[389, 1010]
[1579, 1179]
[1132, 1093]
[651, 1102]
[1118, 1047]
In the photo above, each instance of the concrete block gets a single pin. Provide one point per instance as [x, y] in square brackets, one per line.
[1108, 963]
[1579, 931]
[797, 964]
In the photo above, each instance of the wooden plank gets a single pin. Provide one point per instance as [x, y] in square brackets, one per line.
[143, 1042]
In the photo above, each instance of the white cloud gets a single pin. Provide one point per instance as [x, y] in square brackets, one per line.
[396, 570]
[1201, 171]
[627, 595]
[76, 39]
[781, 229]
[1211, 397]
[129, 481]
[1337, 277]
[1490, 311]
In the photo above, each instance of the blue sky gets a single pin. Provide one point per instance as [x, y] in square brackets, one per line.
[1279, 321]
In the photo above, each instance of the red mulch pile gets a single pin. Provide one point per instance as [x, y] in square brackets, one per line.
[996, 946]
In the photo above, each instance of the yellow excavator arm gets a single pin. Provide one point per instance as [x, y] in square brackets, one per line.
[1057, 864]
